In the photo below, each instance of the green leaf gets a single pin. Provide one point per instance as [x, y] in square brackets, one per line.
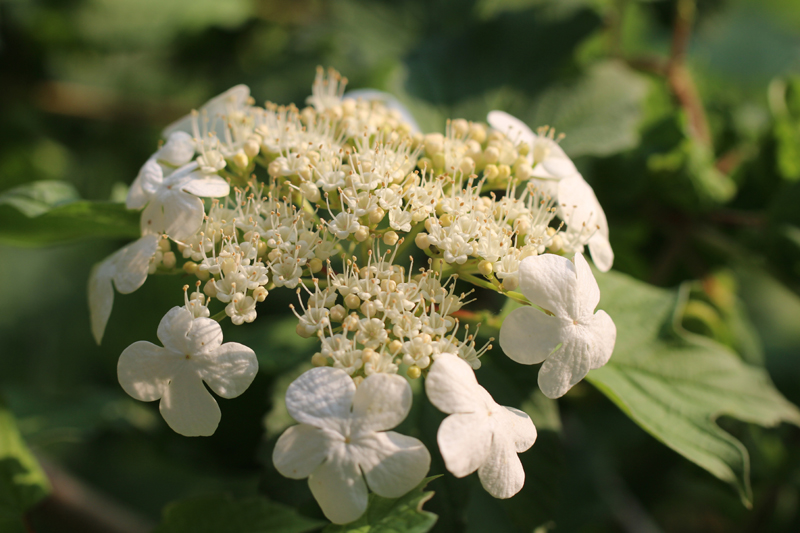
[48, 212]
[212, 514]
[22, 481]
[600, 112]
[675, 384]
[393, 515]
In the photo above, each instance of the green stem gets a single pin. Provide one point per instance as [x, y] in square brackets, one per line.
[219, 317]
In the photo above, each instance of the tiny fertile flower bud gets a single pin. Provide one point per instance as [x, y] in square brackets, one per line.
[319, 360]
[352, 301]
[310, 191]
[357, 380]
[510, 284]
[202, 275]
[490, 172]
[477, 132]
[210, 288]
[361, 234]
[504, 172]
[395, 346]
[485, 268]
[467, 165]
[523, 149]
[491, 155]
[315, 265]
[368, 354]
[434, 143]
[228, 266]
[169, 260]
[438, 160]
[376, 215]
[419, 215]
[190, 267]
[460, 127]
[388, 285]
[421, 240]
[390, 238]
[262, 247]
[260, 294]
[414, 372]
[428, 223]
[240, 159]
[338, 313]
[446, 220]
[274, 255]
[556, 243]
[350, 323]
[163, 245]
[302, 331]
[251, 148]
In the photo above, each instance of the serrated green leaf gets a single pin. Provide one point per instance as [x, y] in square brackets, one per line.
[600, 112]
[22, 482]
[213, 514]
[393, 515]
[675, 384]
[48, 212]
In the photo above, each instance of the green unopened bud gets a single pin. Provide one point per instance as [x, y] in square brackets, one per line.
[414, 372]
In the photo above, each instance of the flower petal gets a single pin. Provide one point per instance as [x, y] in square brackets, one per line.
[513, 128]
[133, 264]
[339, 488]
[300, 450]
[502, 474]
[178, 150]
[550, 281]
[464, 441]
[152, 220]
[392, 463]
[565, 368]
[101, 296]
[321, 397]
[602, 254]
[183, 214]
[603, 337]
[381, 402]
[529, 336]
[209, 186]
[518, 426]
[232, 99]
[150, 177]
[229, 369]
[204, 337]
[187, 407]
[173, 328]
[144, 369]
[451, 385]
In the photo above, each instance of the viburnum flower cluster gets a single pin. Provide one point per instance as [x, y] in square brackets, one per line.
[385, 234]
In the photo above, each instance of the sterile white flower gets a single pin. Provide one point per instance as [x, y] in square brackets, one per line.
[578, 206]
[216, 110]
[479, 434]
[127, 268]
[193, 352]
[342, 438]
[572, 339]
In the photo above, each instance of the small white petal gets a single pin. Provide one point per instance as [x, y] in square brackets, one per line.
[502, 474]
[136, 198]
[451, 385]
[464, 441]
[133, 263]
[602, 254]
[604, 336]
[232, 99]
[229, 369]
[381, 402]
[144, 370]
[183, 214]
[565, 368]
[519, 427]
[101, 296]
[178, 150]
[392, 463]
[187, 407]
[173, 328]
[300, 450]
[210, 187]
[529, 336]
[339, 488]
[512, 127]
[557, 164]
[150, 176]
[321, 397]
[550, 281]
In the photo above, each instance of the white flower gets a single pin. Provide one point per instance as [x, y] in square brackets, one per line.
[342, 439]
[173, 206]
[573, 339]
[193, 352]
[127, 268]
[479, 434]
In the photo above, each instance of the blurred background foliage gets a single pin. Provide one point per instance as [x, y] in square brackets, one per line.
[684, 116]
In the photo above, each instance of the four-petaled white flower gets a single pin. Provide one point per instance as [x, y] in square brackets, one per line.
[172, 203]
[193, 352]
[571, 338]
[127, 268]
[342, 438]
[479, 434]
[557, 176]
